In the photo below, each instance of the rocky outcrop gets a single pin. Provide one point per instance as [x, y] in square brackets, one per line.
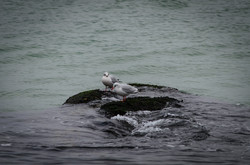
[137, 104]
[103, 99]
[85, 97]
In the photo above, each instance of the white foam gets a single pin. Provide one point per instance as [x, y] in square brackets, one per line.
[144, 127]
[140, 113]
[129, 120]
[153, 123]
[146, 130]
[170, 115]
[6, 144]
[149, 127]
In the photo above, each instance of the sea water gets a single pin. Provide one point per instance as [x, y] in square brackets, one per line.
[51, 50]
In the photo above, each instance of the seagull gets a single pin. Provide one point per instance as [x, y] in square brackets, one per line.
[124, 90]
[108, 80]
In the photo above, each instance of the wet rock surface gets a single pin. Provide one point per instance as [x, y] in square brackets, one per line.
[109, 101]
[85, 97]
[139, 104]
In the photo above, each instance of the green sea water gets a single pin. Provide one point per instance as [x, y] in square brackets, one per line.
[50, 50]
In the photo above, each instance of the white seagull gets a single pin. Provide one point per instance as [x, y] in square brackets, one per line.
[124, 89]
[108, 80]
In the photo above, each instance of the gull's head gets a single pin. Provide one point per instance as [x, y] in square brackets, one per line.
[115, 84]
[106, 74]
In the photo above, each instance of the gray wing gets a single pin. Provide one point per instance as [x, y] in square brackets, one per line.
[129, 89]
[113, 79]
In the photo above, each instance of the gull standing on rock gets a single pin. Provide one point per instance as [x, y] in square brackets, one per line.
[108, 80]
[124, 89]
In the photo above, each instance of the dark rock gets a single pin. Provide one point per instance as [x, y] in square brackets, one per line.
[85, 97]
[147, 85]
[105, 100]
[96, 94]
[139, 103]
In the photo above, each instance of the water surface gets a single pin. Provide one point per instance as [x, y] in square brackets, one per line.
[54, 49]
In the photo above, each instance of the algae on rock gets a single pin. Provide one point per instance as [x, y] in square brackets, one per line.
[85, 97]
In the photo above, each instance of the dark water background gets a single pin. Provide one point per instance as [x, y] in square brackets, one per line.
[50, 50]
